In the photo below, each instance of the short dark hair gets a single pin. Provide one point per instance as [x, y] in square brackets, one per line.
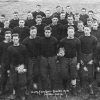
[47, 10]
[77, 14]
[70, 16]
[33, 27]
[83, 9]
[15, 12]
[38, 5]
[68, 6]
[29, 12]
[54, 16]
[95, 21]
[47, 28]
[87, 27]
[38, 16]
[8, 32]
[88, 19]
[62, 13]
[15, 35]
[90, 11]
[3, 15]
[71, 27]
[80, 21]
[58, 6]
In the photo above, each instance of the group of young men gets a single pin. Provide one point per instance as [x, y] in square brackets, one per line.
[49, 52]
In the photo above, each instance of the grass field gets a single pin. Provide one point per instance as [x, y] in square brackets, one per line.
[8, 8]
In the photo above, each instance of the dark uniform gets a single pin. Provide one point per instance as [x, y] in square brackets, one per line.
[63, 21]
[1, 25]
[35, 13]
[69, 61]
[30, 22]
[22, 31]
[96, 33]
[3, 60]
[83, 18]
[14, 23]
[32, 46]
[40, 29]
[47, 21]
[88, 47]
[79, 33]
[57, 14]
[17, 55]
[57, 31]
[69, 14]
[97, 66]
[48, 51]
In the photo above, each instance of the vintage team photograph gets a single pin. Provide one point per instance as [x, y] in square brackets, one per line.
[49, 49]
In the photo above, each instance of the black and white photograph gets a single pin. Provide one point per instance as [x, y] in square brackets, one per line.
[49, 49]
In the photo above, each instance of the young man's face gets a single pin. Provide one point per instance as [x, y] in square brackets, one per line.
[2, 19]
[87, 30]
[47, 33]
[70, 20]
[95, 26]
[70, 32]
[6, 24]
[54, 20]
[89, 23]
[77, 17]
[33, 32]
[90, 14]
[68, 9]
[29, 16]
[16, 16]
[58, 9]
[83, 11]
[38, 7]
[38, 20]
[47, 13]
[21, 23]
[62, 16]
[15, 39]
[80, 26]
[8, 37]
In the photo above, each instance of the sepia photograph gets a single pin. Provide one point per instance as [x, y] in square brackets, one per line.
[49, 49]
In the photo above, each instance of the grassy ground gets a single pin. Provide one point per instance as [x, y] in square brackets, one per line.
[23, 7]
[69, 97]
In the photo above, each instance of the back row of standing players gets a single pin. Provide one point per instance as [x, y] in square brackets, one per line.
[56, 50]
[61, 19]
